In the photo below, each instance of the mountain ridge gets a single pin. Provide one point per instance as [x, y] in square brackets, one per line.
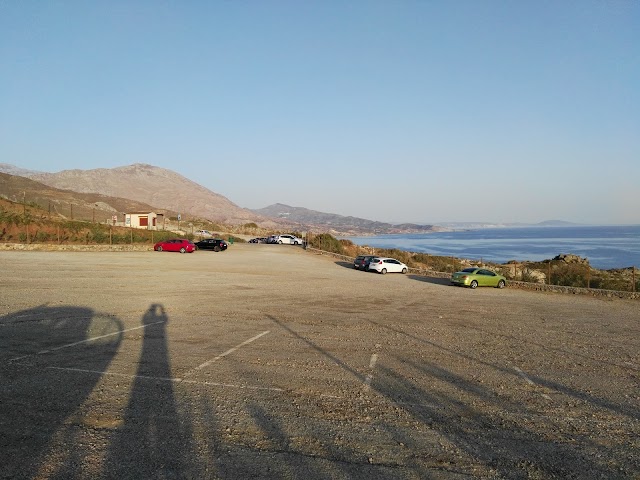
[145, 186]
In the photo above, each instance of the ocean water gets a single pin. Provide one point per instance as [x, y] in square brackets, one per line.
[606, 247]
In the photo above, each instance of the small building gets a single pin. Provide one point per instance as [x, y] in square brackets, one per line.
[144, 220]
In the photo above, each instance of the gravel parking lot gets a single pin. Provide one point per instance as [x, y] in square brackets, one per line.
[268, 361]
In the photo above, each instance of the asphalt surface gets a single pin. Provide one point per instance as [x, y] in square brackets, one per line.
[268, 361]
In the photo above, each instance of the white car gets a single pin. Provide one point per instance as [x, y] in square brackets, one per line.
[384, 264]
[204, 233]
[290, 239]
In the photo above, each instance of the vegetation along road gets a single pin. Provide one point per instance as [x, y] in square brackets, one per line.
[269, 361]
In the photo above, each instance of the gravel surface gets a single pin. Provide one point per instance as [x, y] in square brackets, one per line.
[268, 361]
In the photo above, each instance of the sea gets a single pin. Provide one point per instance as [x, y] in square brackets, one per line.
[606, 247]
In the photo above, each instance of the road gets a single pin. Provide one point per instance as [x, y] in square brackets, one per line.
[268, 361]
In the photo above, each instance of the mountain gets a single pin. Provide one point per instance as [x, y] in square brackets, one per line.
[338, 224]
[556, 223]
[67, 203]
[141, 187]
[155, 186]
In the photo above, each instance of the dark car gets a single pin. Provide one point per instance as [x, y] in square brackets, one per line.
[215, 244]
[362, 262]
[181, 245]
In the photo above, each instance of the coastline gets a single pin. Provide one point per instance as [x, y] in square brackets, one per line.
[605, 247]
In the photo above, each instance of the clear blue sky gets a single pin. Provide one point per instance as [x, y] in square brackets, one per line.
[399, 111]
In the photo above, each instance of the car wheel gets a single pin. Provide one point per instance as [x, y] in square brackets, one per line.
[280, 242]
[159, 248]
[404, 270]
[182, 250]
[474, 284]
[383, 271]
[216, 249]
[501, 284]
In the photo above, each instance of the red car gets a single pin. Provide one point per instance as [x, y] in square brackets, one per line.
[181, 245]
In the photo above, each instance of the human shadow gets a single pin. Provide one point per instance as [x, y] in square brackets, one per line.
[51, 358]
[154, 440]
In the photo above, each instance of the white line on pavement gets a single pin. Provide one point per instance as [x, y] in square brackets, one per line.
[372, 364]
[165, 379]
[529, 381]
[83, 341]
[231, 350]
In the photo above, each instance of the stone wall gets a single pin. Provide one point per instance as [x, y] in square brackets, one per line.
[48, 247]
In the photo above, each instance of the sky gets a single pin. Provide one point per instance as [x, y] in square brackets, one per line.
[396, 111]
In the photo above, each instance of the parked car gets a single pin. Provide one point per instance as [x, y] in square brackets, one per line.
[290, 239]
[478, 277]
[215, 244]
[204, 233]
[387, 265]
[259, 240]
[181, 245]
[362, 262]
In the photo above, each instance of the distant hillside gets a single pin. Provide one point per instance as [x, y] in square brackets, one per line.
[145, 187]
[66, 203]
[163, 189]
[338, 224]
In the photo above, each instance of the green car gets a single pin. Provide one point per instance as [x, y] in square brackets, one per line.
[478, 277]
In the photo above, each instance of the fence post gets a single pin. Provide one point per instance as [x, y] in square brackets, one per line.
[633, 289]
[588, 276]
[549, 273]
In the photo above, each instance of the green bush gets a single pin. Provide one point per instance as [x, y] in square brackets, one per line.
[326, 242]
[42, 237]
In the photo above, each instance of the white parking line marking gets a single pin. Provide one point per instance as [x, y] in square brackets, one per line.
[530, 382]
[372, 364]
[523, 375]
[231, 350]
[83, 341]
[165, 379]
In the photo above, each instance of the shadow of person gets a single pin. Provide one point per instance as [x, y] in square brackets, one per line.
[50, 361]
[153, 441]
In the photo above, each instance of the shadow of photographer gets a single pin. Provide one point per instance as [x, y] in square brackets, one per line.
[43, 354]
[154, 440]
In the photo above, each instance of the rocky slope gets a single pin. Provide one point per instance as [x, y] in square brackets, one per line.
[146, 187]
[159, 187]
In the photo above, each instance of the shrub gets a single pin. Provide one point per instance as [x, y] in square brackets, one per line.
[326, 242]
